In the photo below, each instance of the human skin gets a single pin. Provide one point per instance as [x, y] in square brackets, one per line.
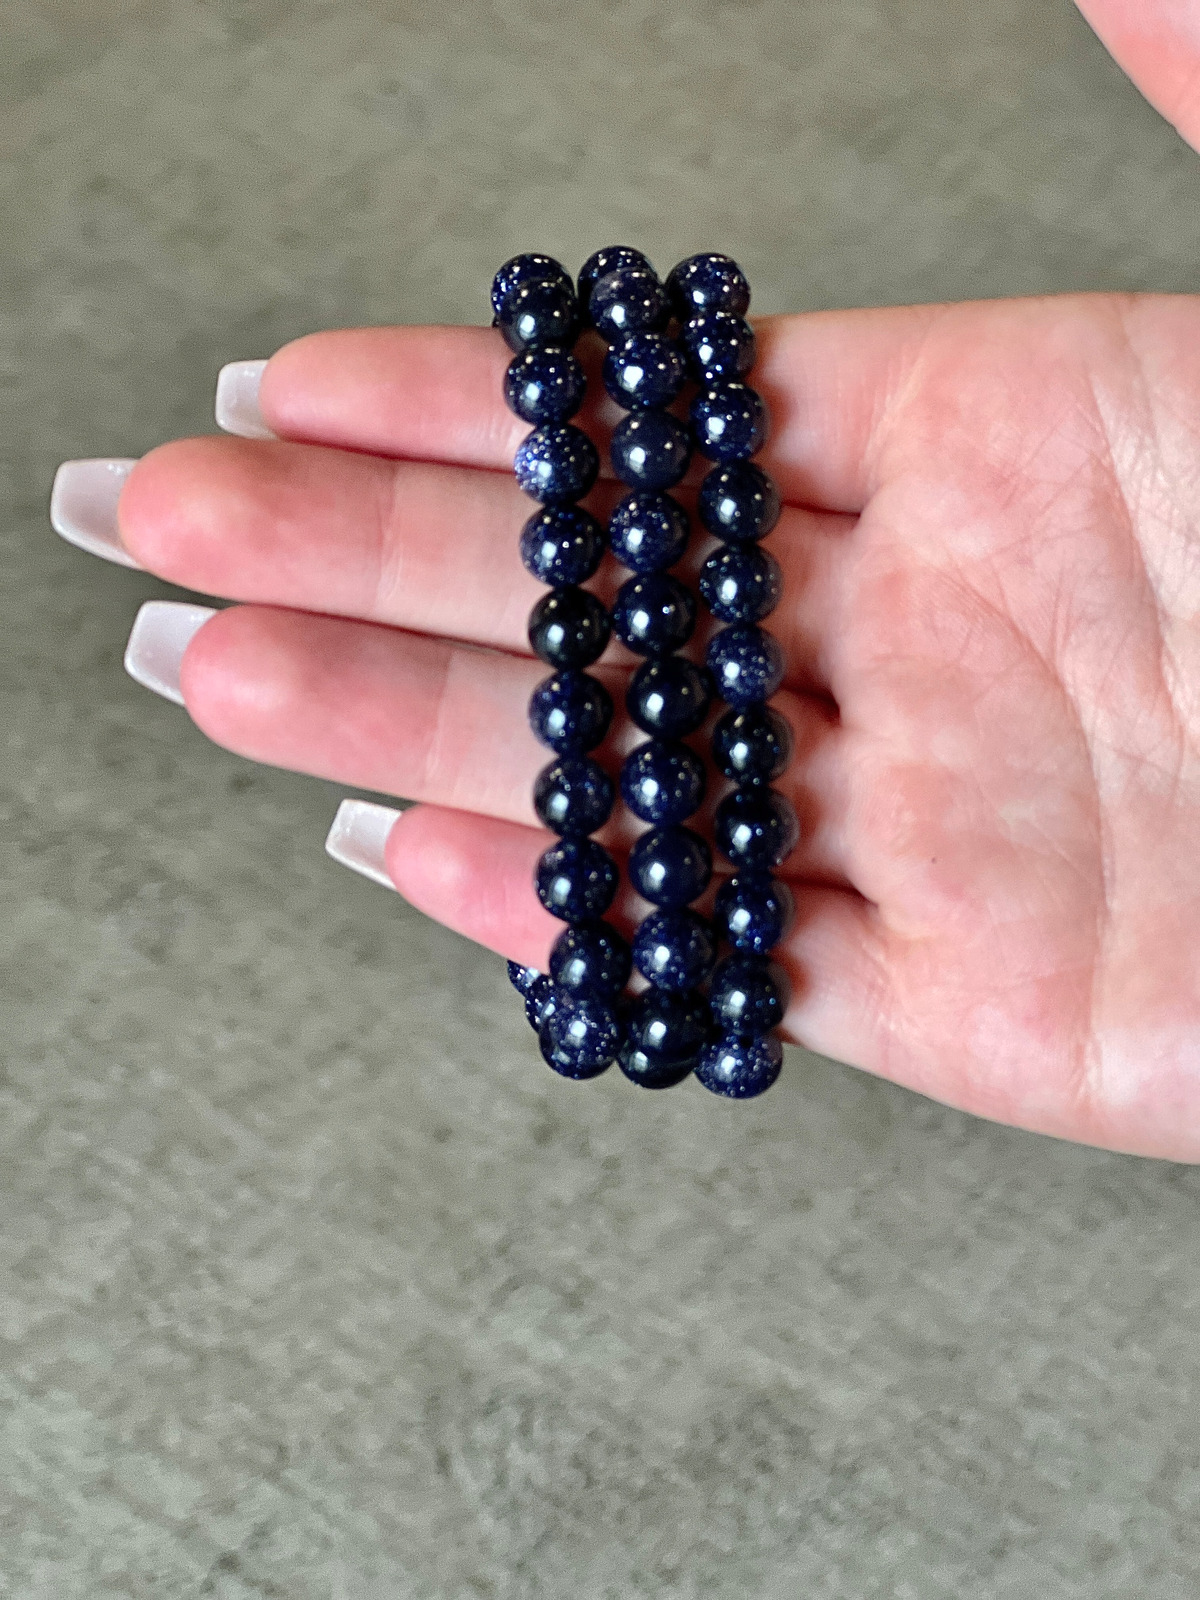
[992, 621]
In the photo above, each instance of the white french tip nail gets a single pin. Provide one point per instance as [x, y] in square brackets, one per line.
[83, 507]
[162, 631]
[237, 400]
[358, 837]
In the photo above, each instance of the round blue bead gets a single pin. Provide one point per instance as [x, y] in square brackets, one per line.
[729, 421]
[756, 828]
[670, 866]
[562, 544]
[662, 781]
[664, 1034]
[648, 531]
[655, 614]
[741, 583]
[571, 712]
[522, 978]
[748, 994]
[754, 911]
[669, 696]
[752, 746]
[528, 268]
[568, 628]
[544, 385]
[644, 370]
[612, 258]
[556, 462]
[720, 347]
[590, 960]
[675, 949]
[739, 502]
[573, 796]
[541, 313]
[746, 663]
[628, 301]
[708, 282]
[740, 1068]
[576, 879]
[582, 1038]
[540, 1002]
[650, 450]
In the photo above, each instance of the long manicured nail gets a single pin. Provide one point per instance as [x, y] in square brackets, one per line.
[83, 507]
[358, 836]
[237, 400]
[162, 631]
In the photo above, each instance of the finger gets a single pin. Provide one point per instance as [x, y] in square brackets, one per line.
[1157, 42]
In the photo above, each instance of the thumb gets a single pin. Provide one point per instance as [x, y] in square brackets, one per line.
[1157, 42]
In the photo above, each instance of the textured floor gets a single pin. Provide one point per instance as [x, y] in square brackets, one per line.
[313, 1283]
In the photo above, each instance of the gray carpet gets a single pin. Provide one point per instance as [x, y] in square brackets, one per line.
[315, 1283]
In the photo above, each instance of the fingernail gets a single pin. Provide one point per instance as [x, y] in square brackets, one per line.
[237, 400]
[83, 507]
[162, 631]
[358, 836]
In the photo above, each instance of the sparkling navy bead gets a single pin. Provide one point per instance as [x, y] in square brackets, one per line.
[590, 960]
[708, 282]
[739, 1067]
[741, 583]
[568, 628]
[670, 866]
[739, 502]
[648, 531]
[522, 978]
[729, 421]
[650, 450]
[747, 995]
[753, 911]
[576, 879]
[581, 1039]
[663, 781]
[756, 828]
[571, 712]
[720, 347]
[628, 301]
[556, 462]
[655, 614]
[544, 385]
[528, 268]
[644, 370]
[753, 746]
[573, 796]
[669, 697]
[746, 663]
[562, 545]
[664, 1035]
[539, 313]
[612, 258]
[540, 1002]
[675, 949]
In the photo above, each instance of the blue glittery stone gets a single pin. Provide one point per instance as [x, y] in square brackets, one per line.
[648, 531]
[522, 978]
[628, 301]
[541, 313]
[729, 421]
[746, 663]
[662, 781]
[650, 450]
[740, 1067]
[741, 583]
[644, 370]
[569, 628]
[675, 949]
[582, 1037]
[754, 911]
[669, 696]
[612, 258]
[756, 828]
[708, 282]
[591, 960]
[654, 614]
[571, 712]
[540, 1002]
[544, 385]
[528, 268]
[562, 544]
[664, 1035]
[556, 462]
[748, 994]
[720, 347]
[576, 879]
[739, 502]
[573, 796]
[752, 746]
[670, 866]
